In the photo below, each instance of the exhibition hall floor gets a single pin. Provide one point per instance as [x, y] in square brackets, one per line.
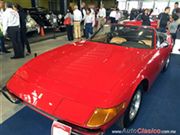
[160, 108]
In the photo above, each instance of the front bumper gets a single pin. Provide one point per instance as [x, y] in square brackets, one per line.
[76, 130]
[11, 97]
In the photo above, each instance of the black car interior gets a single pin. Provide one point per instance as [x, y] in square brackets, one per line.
[127, 36]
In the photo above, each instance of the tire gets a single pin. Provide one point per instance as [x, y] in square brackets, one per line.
[166, 65]
[133, 108]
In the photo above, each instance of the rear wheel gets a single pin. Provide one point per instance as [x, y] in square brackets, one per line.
[133, 109]
[166, 65]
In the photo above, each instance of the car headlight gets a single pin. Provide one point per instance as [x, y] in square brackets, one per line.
[48, 16]
[60, 16]
[103, 116]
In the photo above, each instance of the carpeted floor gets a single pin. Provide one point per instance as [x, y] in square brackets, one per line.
[160, 109]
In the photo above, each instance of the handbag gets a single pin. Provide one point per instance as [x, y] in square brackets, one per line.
[67, 21]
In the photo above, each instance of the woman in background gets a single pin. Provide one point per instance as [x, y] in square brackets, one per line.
[89, 23]
[173, 27]
[146, 17]
[69, 24]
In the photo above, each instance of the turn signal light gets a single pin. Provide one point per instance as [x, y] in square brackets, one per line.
[103, 116]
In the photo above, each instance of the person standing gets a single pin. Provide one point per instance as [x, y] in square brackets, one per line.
[11, 26]
[69, 24]
[113, 16]
[176, 6]
[93, 14]
[173, 27]
[23, 28]
[113, 19]
[77, 22]
[89, 23]
[101, 16]
[163, 20]
[146, 17]
[2, 44]
[118, 16]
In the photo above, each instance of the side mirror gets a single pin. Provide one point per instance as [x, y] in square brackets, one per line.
[164, 44]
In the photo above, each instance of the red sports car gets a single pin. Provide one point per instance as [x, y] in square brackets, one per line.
[138, 22]
[87, 86]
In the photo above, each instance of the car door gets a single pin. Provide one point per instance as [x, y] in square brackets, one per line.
[165, 50]
[154, 61]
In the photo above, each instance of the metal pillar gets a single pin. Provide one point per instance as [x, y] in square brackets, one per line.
[99, 3]
[79, 3]
[169, 3]
[33, 3]
[64, 4]
[140, 4]
[126, 5]
[154, 4]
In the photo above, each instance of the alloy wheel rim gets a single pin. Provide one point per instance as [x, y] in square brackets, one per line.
[135, 105]
[167, 62]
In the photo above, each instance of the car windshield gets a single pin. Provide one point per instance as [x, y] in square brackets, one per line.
[128, 36]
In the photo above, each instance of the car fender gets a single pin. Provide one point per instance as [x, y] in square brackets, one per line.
[136, 83]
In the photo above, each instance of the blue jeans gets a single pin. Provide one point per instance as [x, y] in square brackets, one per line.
[88, 30]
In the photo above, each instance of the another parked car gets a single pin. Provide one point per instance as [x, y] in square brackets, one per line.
[45, 18]
[87, 86]
[138, 21]
[31, 25]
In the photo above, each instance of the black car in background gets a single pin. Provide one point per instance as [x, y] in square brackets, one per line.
[134, 13]
[46, 19]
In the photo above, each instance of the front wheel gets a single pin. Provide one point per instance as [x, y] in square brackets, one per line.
[133, 109]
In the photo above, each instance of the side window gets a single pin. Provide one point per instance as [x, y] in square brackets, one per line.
[161, 39]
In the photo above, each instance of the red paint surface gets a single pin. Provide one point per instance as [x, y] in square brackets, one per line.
[154, 24]
[70, 82]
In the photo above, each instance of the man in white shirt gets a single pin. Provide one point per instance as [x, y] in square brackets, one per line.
[77, 22]
[113, 15]
[118, 15]
[11, 26]
[101, 16]
[1, 11]
[114, 18]
[2, 44]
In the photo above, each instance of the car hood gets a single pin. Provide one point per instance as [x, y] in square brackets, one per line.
[77, 77]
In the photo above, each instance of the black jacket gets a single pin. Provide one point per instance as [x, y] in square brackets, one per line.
[146, 20]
